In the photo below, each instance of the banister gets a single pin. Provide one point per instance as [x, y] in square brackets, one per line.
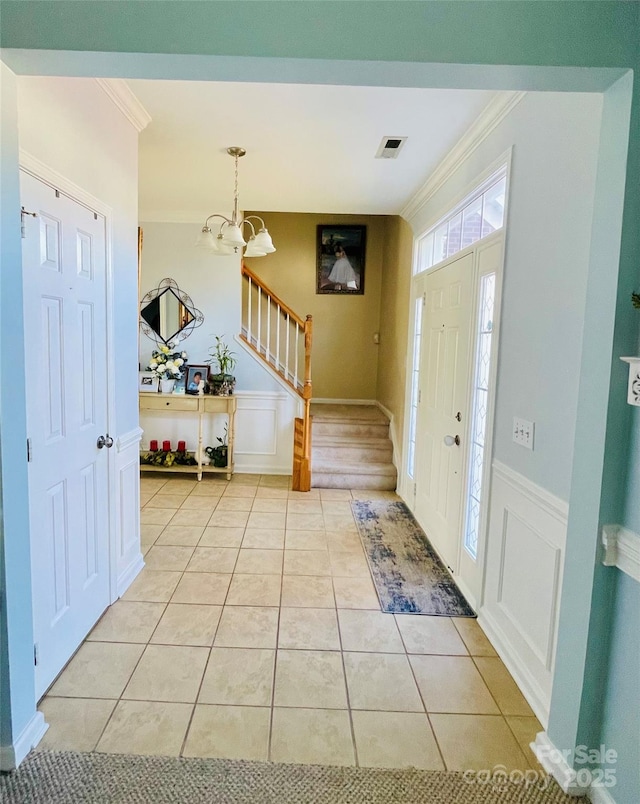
[276, 299]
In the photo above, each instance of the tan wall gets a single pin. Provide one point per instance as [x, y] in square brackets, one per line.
[394, 321]
[345, 358]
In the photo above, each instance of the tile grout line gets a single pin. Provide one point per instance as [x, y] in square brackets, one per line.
[211, 647]
[275, 667]
[346, 685]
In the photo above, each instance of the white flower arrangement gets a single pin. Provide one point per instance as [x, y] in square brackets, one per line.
[167, 364]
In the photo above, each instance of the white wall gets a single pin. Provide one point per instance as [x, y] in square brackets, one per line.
[214, 285]
[71, 125]
[264, 421]
[555, 139]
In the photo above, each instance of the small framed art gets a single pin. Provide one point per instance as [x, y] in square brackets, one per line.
[147, 382]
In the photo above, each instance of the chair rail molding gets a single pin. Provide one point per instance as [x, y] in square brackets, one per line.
[621, 549]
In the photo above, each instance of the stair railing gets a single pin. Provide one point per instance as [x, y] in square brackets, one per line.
[282, 340]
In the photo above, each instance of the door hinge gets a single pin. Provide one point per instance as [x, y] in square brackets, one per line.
[28, 450]
[36, 656]
[419, 395]
[23, 228]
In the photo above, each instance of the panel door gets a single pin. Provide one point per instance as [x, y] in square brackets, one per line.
[442, 411]
[64, 272]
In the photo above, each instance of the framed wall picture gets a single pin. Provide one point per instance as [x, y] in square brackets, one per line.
[148, 382]
[340, 259]
[196, 373]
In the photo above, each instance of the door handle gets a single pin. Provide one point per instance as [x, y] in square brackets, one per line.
[450, 440]
[104, 441]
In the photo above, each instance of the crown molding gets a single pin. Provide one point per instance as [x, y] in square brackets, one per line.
[493, 114]
[123, 97]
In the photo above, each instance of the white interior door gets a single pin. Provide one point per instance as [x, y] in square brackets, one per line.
[442, 411]
[64, 273]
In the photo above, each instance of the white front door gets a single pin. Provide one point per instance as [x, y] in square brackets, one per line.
[442, 411]
[64, 276]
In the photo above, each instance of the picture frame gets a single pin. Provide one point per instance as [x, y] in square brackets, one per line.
[180, 386]
[148, 382]
[340, 260]
[192, 370]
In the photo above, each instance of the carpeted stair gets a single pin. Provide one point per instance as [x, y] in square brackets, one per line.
[351, 448]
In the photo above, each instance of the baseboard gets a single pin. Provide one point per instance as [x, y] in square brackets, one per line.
[392, 435]
[129, 574]
[256, 469]
[12, 755]
[324, 401]
[555, 764]
[529, 688]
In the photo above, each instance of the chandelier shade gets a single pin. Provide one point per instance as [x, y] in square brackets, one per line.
[229, 237]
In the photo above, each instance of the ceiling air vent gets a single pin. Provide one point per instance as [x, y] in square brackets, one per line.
[390, 147]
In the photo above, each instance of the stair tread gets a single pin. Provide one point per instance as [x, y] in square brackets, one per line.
[348, 468]
[351, 441]
[348, 414]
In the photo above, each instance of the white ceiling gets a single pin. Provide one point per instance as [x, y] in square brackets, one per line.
[310, 148]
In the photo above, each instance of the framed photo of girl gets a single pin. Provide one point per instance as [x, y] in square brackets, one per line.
[340, 259]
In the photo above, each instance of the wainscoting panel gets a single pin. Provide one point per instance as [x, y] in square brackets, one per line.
[525, 553]
[264, 432]
[128, 556]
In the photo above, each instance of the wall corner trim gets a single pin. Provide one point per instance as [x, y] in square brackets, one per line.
[12, 755]
[493, 114]
[621, 549]
[553, 761]
[123, 97]
[127, 440]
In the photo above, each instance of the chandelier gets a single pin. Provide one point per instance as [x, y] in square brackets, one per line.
[229, 238]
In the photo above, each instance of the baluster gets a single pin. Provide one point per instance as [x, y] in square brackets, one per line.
[279, 320]
[258, 347]
[249, 310]
[286, 359]
[297, 351]
[269, 304]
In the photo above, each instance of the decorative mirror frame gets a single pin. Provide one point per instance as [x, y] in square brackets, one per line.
[170, 284]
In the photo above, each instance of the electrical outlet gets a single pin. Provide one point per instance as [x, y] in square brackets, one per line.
[523, 432]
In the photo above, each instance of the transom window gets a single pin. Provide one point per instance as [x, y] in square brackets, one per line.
[479, 215]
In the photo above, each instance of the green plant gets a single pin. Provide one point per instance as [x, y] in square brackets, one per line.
[219, 454]
[223, 356]
[635, 300]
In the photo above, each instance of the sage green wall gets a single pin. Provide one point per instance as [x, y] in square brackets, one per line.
[345, 358]
[394, 324]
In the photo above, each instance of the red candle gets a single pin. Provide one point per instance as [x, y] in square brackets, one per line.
[182, 446]
[166, 446]
[153, 445]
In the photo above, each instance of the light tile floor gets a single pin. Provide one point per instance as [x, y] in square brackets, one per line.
[255, 632]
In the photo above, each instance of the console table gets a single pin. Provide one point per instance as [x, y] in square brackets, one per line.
[202, 406]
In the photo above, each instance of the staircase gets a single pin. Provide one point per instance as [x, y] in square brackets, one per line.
[282, 340]
[351, 448]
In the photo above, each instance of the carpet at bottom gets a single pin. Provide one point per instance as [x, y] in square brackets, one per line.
[74, 778]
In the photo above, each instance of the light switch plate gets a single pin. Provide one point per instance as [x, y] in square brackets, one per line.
[523, 432]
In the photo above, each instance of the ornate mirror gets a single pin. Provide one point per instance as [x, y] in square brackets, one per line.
[167, 312]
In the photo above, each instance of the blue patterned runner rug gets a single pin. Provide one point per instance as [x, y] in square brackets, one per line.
[409, 576]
